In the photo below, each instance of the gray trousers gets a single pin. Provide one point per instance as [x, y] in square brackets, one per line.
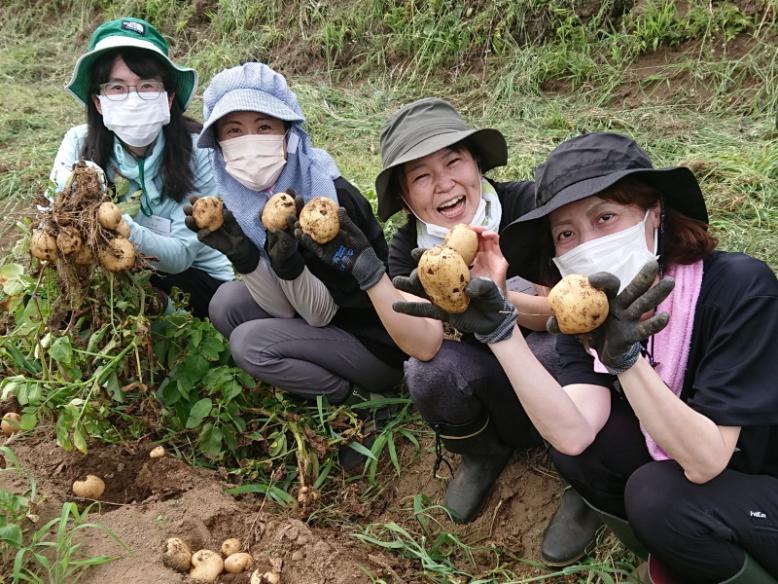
[292, 355]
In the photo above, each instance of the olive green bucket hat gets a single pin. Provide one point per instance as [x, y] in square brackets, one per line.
[421, 128]
[136, 33]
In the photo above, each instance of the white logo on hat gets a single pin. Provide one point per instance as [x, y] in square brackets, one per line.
[134, 26]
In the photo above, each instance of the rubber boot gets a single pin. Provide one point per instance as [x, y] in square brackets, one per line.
[623, 531]
[483, 459]
[570, 531]
[751, 573]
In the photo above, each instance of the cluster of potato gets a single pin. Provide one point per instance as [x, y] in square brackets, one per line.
[577, 306]
[206, 565]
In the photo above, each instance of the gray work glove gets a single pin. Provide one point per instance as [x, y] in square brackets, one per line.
[617, 340]
[489, 315]
[349, 251]
[228, 239]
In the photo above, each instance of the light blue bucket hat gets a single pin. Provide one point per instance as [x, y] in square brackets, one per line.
[251, 87]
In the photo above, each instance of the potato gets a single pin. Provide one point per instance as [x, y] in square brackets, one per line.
[319, 219]
[238, 562]
[177, 555]
[276, 211]
[266, 578]
[43, 245]
[463, 240]
[91, 487]
[444, 276]
[577, 306]
[84, 256]
[108, 215]
[231, 546]
[157, 452]
[123, 229]
[11, 423]
[208, 213]
[69, 240]
[206, 566]
[118, 256]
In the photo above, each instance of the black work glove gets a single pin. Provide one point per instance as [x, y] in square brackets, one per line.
[617, 340]
[228, 239]
[489, 315]
[285, 257]
[349, 251]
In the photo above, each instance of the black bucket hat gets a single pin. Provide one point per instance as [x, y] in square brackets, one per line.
[581, 167]
[421, 128]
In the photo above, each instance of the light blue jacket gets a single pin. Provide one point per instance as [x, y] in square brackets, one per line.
[176, 246]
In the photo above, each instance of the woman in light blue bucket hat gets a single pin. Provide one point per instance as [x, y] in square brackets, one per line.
[136, 132]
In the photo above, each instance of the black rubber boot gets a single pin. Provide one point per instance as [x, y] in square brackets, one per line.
[483, 458]
[570, 531]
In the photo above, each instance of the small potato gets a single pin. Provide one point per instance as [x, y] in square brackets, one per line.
[208, 213]
[464, 241]
[231, 546]
[11, 423]
[92, 487]
[206, 566]
[277, 210]
[84, 256]
[108, 215]
[238, 562]
[319, 219]
[43, 245]
[118, 256]
[123, 229]
[157, 452]
[265, 578]
[177, 555]
[577, 306]
[444, 276]
[68, 240]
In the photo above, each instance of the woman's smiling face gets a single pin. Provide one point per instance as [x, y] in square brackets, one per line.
[443, 188]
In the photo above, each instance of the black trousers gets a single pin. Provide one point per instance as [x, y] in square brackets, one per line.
[200, 286]
[699, 532]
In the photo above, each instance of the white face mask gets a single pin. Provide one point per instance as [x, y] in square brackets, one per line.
[255, 160]
[137, 121]
[622, 254]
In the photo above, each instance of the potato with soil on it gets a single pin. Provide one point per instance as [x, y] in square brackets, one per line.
[238, 562]
[319, 219]
[464, 241]
[277, 210]
[92, 487]
[84, 256]
[265, 578]
[69, 240]
[43, 245]
[123, 229]
[577, 306]
[177, 555]
[231, 546]
[108, 215]
[118, 256]
[11, 423]
[206, 566]
[444, 276]
[208, 213]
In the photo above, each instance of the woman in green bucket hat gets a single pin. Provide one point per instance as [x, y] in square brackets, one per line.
[136, 132]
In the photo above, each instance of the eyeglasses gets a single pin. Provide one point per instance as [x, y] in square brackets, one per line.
[117, 91]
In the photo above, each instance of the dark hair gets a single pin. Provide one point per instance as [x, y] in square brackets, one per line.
[177, 172]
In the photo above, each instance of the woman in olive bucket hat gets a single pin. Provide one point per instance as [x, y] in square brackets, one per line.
[665, 418]
[136, 133]
[433, 167]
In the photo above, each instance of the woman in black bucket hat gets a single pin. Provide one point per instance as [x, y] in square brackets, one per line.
[665, 418]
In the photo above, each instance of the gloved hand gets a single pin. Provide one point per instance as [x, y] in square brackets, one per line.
[349, 251]
[228, 239]
[617, 340]
[489, 315]
[285, 257]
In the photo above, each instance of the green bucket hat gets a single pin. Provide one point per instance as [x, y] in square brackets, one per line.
[421, 128]
[129, 32]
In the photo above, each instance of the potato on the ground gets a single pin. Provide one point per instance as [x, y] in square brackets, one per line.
[319, 219]
[238, 562]
[444, 276]
[108, 215]
[277, 210]
[577, 306]
[464, 241]
[206, 566]
[157, 452]
[43, 245]
[92, 487]
[208, 213]
[231, 546]
[177, 555]
[11, 423]
[265, 578]
[118, 256]
[69, 240]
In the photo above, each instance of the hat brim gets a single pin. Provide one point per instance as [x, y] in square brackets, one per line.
[492, 152]
[245, 99]
[525, 242]
[184, 79]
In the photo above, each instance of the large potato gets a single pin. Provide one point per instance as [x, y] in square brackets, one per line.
[464, 241]
[43, 245]
[206, 566]
[276, 211]
[92, 487]
[177, 555]
[444, 276]
[118, 256]
[208, 213]
[577, 306]
[319, 219]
